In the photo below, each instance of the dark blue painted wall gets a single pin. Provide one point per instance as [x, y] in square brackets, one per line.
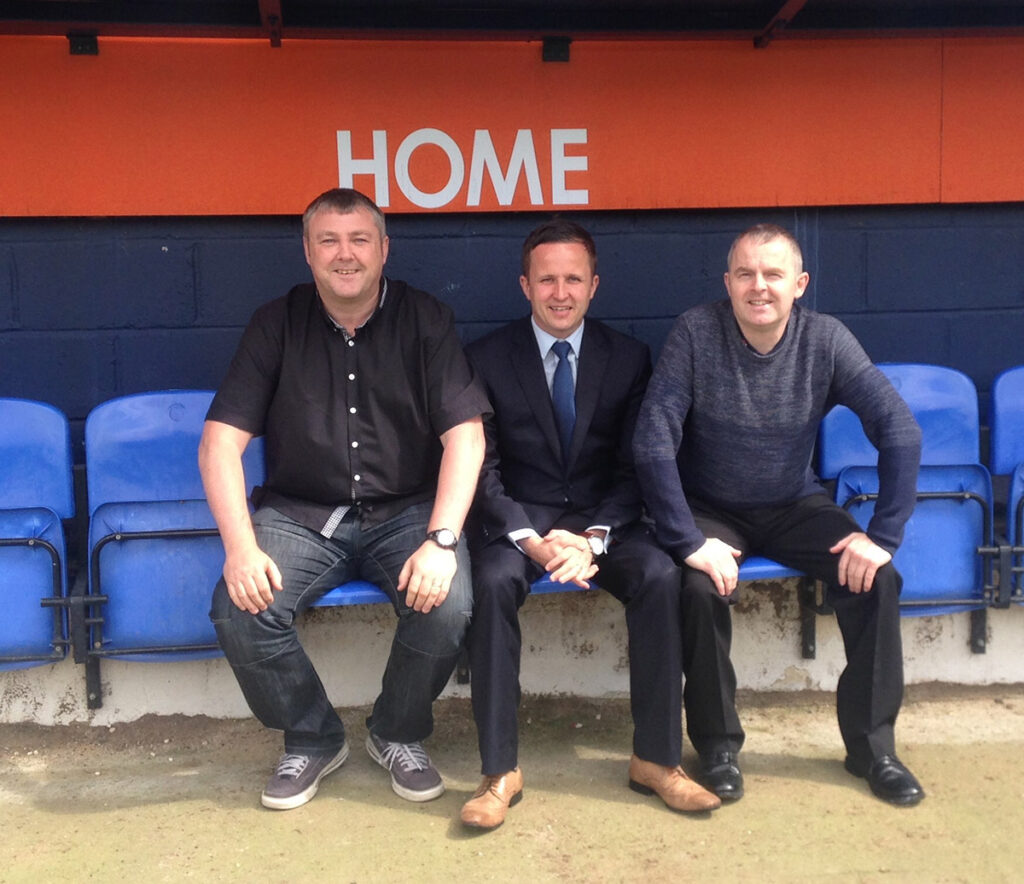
[92, 309]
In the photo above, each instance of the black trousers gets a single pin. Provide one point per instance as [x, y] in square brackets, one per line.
[646, 580]
[870, 688]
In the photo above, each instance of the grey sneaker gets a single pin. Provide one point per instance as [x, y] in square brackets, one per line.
[413, 777]
[298, 777]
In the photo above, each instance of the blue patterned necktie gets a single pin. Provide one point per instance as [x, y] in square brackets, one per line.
[563, 396]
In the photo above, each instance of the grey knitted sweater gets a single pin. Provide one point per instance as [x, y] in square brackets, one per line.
[736, 429]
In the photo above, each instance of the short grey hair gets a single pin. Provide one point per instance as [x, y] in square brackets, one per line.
[343, 200]
[765, 233]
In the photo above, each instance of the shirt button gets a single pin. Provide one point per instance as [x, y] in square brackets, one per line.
[355, 444]
[351, 377]
[357, 477]
[351, 343]
[352, 410]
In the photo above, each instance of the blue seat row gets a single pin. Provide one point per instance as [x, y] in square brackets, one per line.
[154, 554]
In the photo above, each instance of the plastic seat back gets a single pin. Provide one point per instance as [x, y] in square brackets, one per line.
[944, 402]
[36, 493]
[1007, 422]
[153, 546]
[1015, 529]
[145, 447]
[1007, 458]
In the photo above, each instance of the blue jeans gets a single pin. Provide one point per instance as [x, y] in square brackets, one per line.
[277, 678]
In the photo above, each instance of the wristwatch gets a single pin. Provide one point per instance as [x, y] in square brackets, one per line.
[597, 547]
[444, 538]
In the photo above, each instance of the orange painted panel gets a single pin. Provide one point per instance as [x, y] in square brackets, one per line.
[190, 127]
[983, 122]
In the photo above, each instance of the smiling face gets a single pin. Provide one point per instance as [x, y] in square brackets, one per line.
[763, 281]
[346, 253]
[560, 285]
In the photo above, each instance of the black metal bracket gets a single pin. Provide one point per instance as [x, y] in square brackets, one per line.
[87, 631]
[813, 604]
[979, 630]
[54, 600]
[462, 667]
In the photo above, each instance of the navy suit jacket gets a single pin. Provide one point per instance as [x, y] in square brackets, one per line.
[525, 483]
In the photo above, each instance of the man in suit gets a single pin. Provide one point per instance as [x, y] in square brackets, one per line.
[558, 493]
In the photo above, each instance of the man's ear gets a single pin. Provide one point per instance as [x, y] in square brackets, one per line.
[801, 283]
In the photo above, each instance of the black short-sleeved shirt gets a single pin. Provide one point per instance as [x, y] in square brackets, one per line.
[349, 421]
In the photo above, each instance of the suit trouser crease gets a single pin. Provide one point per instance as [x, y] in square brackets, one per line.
[275, 674]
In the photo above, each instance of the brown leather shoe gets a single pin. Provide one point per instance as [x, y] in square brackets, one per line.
[492, 799]
[671, 785]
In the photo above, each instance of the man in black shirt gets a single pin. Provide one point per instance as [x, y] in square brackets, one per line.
[372, 425]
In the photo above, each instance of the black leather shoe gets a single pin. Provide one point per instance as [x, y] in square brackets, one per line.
[889, 779]
[720, 773]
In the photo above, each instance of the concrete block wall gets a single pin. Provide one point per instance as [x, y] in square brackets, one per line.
[96, 308]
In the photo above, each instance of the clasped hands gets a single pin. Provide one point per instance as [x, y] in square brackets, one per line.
[566, 556]
[859, 560]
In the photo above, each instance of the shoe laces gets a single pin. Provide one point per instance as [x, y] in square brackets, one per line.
[291, 765]
[408, 756]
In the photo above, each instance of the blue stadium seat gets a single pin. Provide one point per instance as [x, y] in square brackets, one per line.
[944, 402]
[754, 568]
[759, 568]
[1007, 458]
[939, 560]
[36, 493]
[355, 592]
[359, 592]
[154, 552]
[1015, 534]
[1006, 420]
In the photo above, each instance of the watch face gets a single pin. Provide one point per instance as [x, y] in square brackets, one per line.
[596, 546]
[444, 537]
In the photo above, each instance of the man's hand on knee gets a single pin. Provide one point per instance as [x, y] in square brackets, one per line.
[718, 560]
[252, 578]
[426, 576]
[859, 560]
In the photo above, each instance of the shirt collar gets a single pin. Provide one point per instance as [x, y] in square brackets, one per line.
[376, 310]
[545, 341]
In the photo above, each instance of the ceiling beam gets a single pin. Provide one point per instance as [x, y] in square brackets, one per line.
[270, 18]
[779, 22]
[24, 27]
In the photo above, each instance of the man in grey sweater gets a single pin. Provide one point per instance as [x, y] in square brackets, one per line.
[723, 449]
